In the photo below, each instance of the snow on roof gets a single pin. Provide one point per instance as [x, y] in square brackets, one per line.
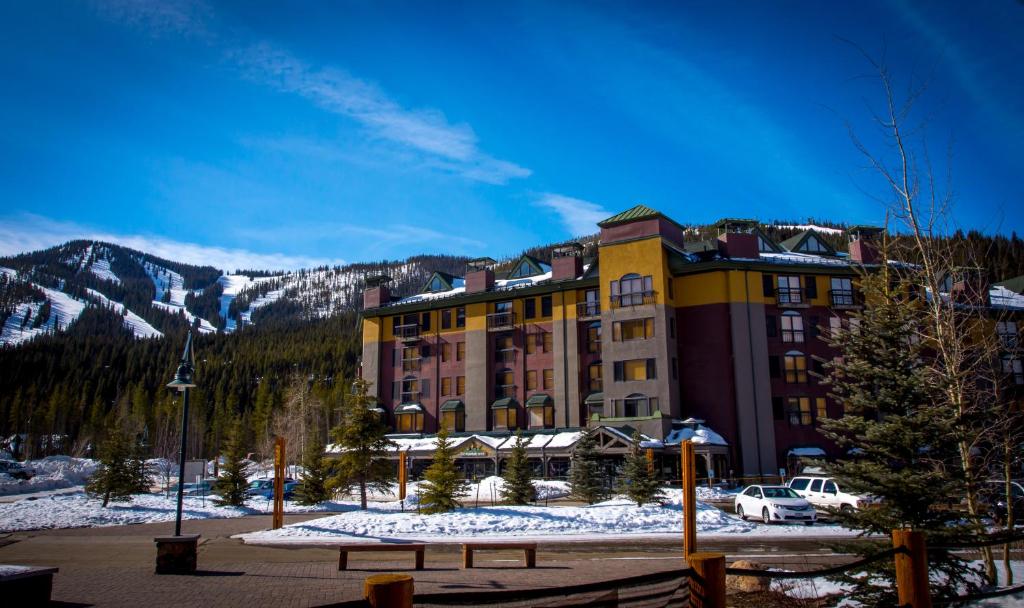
[701, 436]
[793, 257]
[564, 440]
[1002, 297]
[816, 228]
[806, 452]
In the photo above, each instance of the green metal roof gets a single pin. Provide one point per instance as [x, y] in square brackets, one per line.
[640, 212]
[453, 405]
[540, 400]
[595, 398]
[1016, 284]
[504, 403]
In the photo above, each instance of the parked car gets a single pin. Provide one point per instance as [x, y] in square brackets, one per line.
[202, 488]
[265, 488]
[825, 493]
[992, 496]
[774, 503]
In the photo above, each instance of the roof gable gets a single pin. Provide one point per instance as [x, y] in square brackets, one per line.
[440, 281]
[808, 241]
[526, 266]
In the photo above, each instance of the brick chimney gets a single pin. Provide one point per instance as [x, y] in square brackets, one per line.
[864, 244]
[480, 275]
[567, 262]
[737, 239]
[376, 293]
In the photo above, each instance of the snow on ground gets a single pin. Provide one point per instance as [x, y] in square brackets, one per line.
[165, 280]
[64, 310]
[101, 268]
[50, 473]
[614, 518]
[716, 493]
[78, 510]
[234, 284]
[139, 326]
[204, 326]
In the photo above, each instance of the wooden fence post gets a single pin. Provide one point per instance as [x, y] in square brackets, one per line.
[278, 518]
[911, 569]
[388, 591]
[689, 500]
[707, 584]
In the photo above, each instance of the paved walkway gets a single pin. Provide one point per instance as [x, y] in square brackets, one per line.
[114, 566]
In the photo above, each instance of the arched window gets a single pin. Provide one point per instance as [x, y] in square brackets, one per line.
[792, 326]
[796, 367]
[631, 289]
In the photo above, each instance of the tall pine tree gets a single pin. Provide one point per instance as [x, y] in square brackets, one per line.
[586, 482]
[443, 485]
[232, 482]
[313, 488]
[122, 471]
[518, 477]
[640, 481]
[362, 437]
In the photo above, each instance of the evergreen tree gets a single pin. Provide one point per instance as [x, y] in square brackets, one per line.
[640, 481]
[585, 479]
[443, 485]
[362, 437]
[897, 434]
[232, 482]
[518, 477]
[122, 471]
[313, 488]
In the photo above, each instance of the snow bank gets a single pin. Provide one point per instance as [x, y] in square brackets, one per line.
[79, 511]
[50, 473]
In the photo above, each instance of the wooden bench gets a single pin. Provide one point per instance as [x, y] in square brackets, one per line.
[26, 585]
[346, 549]
[530, 550]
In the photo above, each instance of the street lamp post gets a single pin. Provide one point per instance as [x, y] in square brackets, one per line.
[177, 554]
[182, 382]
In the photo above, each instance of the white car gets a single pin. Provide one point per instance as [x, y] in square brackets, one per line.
[774, 503]
[825, 493]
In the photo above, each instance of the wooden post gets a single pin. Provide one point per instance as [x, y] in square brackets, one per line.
[388, 591]
[689, 500]
[650, 460]
[402, 474]
[278, 519]
[912, 569]
[707, 584]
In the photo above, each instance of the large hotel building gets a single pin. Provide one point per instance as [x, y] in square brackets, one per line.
[715, 341]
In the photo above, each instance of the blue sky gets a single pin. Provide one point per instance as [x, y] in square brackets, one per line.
[262, 134]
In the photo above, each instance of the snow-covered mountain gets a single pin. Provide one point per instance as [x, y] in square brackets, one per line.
[47, 291]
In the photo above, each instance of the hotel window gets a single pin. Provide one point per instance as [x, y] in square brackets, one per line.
[454, 420]
[460, 316]
[631, 290]
[821, 410]
[842, 292]
[1006, 331]
[635, 369]
[504, 384]
[503, 307]
[798, 410]
[410, 359]
[545, 306]
[546, 341]
[635, 329]
[504, 349]
[446, 387]
[594, 337]
[446, 318]
[789, 290]
[409, 422]
[541, 417]
[460, 351]
[530, 308]
[592, 299]
[672, 327]
[792, 327]
[1012, 367]
[409, 389]
[594, 377]
[425, 321]
[531, 343]
[446, 352]
[531, 380]
[638, 405]
[796, 367]
[504, 417]
[549, 379]
[812, 286]
[460, 385]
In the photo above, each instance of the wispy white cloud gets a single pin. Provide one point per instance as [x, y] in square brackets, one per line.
[31, 232]
[579, 217]
[452, 147]
[382, 237]
[158, 18]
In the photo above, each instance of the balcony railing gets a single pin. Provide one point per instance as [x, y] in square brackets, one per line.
[411, 365]
[588, 310]
[844, 297]
[788, 296]
[505, 356]
[409, 396]
[501, 320]
[636, 298]
[408, 333]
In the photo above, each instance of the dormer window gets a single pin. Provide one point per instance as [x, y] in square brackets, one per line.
[814, 245]
[526, 267]
[763, 246]
[436, 284]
